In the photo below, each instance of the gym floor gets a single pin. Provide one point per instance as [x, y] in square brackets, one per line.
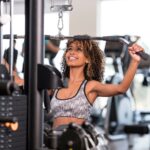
[138, 143]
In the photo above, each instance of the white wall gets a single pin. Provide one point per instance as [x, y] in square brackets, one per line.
[121, 17]
[83, 17]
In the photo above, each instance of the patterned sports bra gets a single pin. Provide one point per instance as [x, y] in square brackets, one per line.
[77, 106]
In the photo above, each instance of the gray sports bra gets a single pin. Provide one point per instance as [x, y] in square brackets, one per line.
[77, 106]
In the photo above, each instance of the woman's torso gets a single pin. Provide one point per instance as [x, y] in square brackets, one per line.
[75, 107]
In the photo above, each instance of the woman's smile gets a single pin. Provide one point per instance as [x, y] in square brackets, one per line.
[72, 58]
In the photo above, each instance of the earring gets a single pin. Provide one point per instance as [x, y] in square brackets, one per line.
[86, 61]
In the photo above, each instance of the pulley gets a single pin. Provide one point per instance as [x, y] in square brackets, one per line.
[61, 5]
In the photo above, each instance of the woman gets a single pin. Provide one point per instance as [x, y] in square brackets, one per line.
[83, 65]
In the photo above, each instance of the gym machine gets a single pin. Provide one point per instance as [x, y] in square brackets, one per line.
[13, 105]
[118, 125]
[33, 91]
[13, 116]
[121, 115]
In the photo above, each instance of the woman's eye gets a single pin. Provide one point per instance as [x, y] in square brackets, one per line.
[79, 49]
[68, 49]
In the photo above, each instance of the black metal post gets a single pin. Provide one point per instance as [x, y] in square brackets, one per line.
[1, 33]
[34, 10]
[26, 68]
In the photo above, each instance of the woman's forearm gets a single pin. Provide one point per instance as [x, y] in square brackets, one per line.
[129, 75]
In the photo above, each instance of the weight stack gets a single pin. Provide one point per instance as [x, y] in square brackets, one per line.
[13, 106]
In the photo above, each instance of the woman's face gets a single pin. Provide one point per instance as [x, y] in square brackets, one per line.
[75, 56]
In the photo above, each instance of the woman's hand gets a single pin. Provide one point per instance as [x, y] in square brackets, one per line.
[133, 51]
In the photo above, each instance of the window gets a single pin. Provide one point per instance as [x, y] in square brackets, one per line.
[129, 17]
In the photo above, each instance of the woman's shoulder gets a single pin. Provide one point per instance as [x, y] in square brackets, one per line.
[92, 83]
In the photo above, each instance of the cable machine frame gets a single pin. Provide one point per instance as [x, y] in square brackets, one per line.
[34, 20]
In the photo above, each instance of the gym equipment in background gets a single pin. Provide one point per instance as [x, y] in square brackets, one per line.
[13, 114]
[13, 122]
[121, 111]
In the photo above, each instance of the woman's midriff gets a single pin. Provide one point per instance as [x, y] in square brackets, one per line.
[66, 120]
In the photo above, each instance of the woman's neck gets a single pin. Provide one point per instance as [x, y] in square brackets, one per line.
[76, 75]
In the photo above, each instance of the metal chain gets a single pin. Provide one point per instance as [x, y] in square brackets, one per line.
[60, 9]
[60, 24]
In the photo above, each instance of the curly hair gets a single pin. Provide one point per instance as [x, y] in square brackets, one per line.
[94, 70]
